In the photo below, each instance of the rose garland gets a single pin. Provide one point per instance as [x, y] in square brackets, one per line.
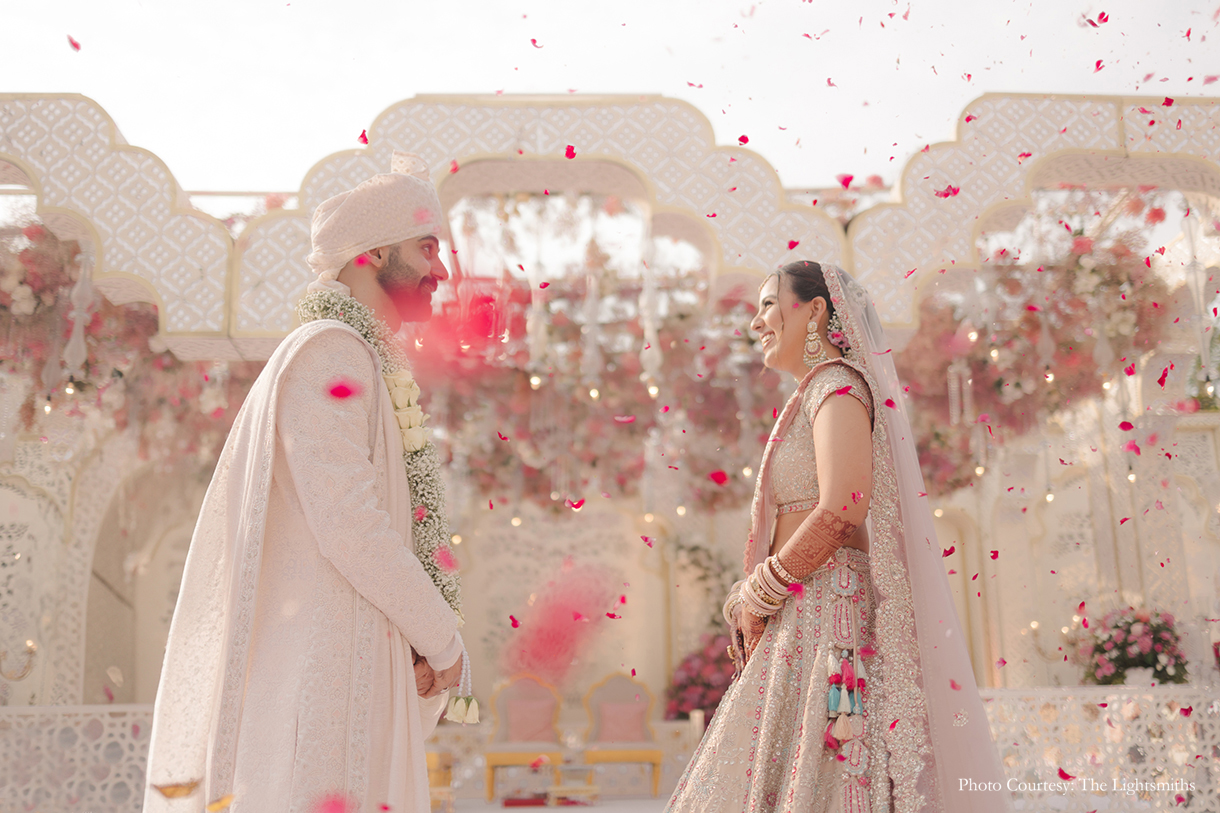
[429, 520]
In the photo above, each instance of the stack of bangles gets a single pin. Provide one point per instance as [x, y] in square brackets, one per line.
[765, 590]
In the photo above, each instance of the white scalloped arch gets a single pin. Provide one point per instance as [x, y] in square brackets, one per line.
[1100, 140]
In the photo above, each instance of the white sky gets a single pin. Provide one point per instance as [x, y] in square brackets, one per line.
[248, 94]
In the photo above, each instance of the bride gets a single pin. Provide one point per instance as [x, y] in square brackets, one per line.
[854, 691]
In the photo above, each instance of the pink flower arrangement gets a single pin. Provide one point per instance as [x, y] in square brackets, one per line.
[1130, 638]
[701, 680]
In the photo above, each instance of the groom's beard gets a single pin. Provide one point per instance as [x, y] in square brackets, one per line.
[409, 288]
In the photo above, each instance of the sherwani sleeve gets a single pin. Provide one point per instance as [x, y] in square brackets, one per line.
[327, 440]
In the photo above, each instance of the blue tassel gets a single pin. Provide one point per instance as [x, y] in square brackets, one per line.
[833, 704]
[856, 706]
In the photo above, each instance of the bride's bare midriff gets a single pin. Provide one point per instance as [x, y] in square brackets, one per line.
[786, 525]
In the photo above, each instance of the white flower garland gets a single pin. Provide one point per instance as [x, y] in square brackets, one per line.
[429, 521]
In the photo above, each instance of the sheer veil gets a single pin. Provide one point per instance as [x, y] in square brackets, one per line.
[942, 737]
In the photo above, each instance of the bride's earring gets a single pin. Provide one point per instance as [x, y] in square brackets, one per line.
[815, 353]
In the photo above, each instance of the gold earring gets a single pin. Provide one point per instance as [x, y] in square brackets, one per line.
[815, 353]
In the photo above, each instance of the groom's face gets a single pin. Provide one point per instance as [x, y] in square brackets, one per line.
[412, 271]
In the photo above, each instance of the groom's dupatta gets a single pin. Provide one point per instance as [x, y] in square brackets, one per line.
[926, 711]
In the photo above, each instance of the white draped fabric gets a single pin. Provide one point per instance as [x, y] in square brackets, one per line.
[288, 671]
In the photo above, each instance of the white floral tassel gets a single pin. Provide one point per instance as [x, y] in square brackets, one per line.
[463, 708]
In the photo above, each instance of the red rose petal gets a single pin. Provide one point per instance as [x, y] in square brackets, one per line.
[624, 419]
[1065, 775]
[893, 724]
[718, 477]
[543, 284]
[743, 140]
[648, 540]
[797, 589]
[534, 43]
[1001, 663]
[514, 621]
[1124, 519]
[363, 138]
[793, 244]
[844, 180]
[949, 191]
[889, 402]
[453, 166]
[570, 152]
[75, 45]
[995, 554]
[843, 390]
[344, 388]
[954, 685]
[1185, 711]
[948, 551]
[1126, 426]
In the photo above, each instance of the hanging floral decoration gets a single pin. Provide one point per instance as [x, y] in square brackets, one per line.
[1030, 339]
[180, 409]
[546, 377]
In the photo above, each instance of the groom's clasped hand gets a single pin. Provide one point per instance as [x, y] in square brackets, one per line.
[430, 683]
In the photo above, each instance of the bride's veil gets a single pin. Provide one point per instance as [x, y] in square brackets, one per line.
[942, 737]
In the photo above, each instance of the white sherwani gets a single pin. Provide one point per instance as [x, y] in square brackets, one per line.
[288, 672]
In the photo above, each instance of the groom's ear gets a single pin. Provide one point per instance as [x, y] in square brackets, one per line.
[377, 256]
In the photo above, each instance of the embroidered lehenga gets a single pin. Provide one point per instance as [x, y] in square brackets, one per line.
[842, 708]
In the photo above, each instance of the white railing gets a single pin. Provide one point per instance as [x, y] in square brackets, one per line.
[1117, 742]
[1127, 748]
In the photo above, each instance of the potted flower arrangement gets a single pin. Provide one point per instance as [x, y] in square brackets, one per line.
[700, 680]
[1131, 639]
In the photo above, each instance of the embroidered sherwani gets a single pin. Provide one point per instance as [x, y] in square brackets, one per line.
[288, 673]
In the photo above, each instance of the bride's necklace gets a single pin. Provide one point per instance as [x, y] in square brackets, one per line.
[429, 521]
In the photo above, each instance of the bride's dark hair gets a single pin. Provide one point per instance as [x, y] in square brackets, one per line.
[807, 281]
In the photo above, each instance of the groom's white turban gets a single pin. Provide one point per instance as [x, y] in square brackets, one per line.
[386, 209]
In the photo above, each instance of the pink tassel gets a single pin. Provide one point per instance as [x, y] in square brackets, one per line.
[829, 738]
[842, 728]
[835, 680]
[849, 675]
[860, 684]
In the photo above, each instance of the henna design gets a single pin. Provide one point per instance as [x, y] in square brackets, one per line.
[819, 536]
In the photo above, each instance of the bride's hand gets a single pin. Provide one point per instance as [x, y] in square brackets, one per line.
[752, 628]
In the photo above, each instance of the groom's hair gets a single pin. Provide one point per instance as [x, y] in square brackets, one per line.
[807, 281]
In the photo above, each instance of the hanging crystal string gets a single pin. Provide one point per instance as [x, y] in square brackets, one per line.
[1196, 279]
[81, 298]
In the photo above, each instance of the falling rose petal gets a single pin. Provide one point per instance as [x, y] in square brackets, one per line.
[793, 244]
[856, 496]
[334, 803]
[1185, 711]
[743, 140]
[220, 804]
[544, 759]
[948, 551]
[453, 166]
[445, 560]
[574, 505]
[342, 388]
[970, 118]
[1207, 80]
[1124, 519]
[995, 554]
[949, 191]
[664, 409]
[1168, 102]
[633, 672]
[613, 615]
[543, 284]
[843, 390]
[570, 152]
[867, 651]
[1001, 663]
[491, 506]
[797, 589]
[1130, 369]
[774, 412]
[648, 540]
[363, 137]
[501, 435]
[73, 43]
[514, 621]
[1085, 622]
[420, 512]
[840, 757]
[1097, 66]
[578, 617]
[534, 43]
[1164, 375]
[1126, 426]
[921, 494]
[844, 180]
[889, 402]
[109, 694]
[624, 419]
[1132, 446]
[893, 724]
[622, 599]
[954, 685]
[1064, 775]
[718, 477]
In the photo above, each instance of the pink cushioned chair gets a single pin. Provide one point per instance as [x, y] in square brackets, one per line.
[525, 713]
[618, 708]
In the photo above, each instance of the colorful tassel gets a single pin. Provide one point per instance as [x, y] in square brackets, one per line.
[844, 703]
[860, 672]
[857, 707]
[833, 699]
[860, 683]
[849, 675]
[842, 728]
[829, 738]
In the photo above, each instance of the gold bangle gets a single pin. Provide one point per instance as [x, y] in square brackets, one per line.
[778, 569]
[761, 594]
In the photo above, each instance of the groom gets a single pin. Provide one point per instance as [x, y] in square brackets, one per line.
[315, 632]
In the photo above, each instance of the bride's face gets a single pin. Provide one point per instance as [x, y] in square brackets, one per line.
[777, 307]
